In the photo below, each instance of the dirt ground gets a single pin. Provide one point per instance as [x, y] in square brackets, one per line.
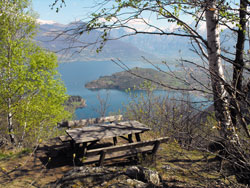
[178, 168]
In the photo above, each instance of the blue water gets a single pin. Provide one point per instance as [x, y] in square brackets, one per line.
[76, 74]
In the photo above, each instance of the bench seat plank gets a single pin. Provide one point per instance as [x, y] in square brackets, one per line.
[125, 146]
[119, 154]
[126, 150]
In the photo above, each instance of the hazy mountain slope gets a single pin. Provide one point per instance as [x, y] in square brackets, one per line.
[174, 47]
[112, 49]
[128, 48]
[160, 45]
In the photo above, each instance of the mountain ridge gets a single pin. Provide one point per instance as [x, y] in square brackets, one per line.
[151, 47]
[70, 51]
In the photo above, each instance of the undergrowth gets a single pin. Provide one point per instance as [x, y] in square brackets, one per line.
[12, 154]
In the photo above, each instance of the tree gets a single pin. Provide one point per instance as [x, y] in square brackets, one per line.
[31, 92]
[217, 13]
[228, 93]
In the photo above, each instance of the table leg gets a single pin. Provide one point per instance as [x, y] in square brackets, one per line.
[138, 138]
[84, 148]
[72, 144]
[76, 153]
[130, 140]
[77, 150]
[102, 157]
[75, 147]
[115, 140]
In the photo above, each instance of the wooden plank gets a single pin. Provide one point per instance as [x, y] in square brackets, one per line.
[84, 122]
[126, 150]
[65, 138]
[124, 147]
[119, 154]
[100, 131]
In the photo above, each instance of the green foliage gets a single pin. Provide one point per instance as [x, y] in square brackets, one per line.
[175, 117]
[31, 89]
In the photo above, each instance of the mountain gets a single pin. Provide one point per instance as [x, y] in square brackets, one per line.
[69, 51]
[132, 48]
[163, 46]
[174, 47]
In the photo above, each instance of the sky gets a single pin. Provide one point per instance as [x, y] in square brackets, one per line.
[77, 9]
[73, 11]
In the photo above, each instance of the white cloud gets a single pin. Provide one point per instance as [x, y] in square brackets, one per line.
[113, 19]
[139, 25]
[45, 21]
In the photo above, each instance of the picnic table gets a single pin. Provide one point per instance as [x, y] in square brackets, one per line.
[90, 135]
[81, 143]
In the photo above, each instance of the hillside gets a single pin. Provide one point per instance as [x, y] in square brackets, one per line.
[153, 47]
[46, 38]
[123, 80]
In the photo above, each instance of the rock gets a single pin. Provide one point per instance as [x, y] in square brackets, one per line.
[136, 183]
[166, 167]
[144, 175]
[119, 185]
[135, 172]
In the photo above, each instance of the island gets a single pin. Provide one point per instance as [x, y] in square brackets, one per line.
[134, 79]
[75, 102]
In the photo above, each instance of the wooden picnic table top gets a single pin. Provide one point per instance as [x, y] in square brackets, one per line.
[101, 131]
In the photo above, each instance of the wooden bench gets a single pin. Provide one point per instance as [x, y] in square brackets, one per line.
[127, 150]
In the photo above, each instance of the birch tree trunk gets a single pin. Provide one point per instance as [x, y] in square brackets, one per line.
[238, 68]
[239, 58]
[221, 103]
[9, 115]
[10, 123]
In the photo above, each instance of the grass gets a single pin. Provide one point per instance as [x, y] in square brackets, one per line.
[6, 155]
[188, 168]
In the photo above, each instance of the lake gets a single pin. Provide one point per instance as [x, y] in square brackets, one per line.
[76, 74]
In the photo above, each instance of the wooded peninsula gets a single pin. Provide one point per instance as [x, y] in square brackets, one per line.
[135, 78]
